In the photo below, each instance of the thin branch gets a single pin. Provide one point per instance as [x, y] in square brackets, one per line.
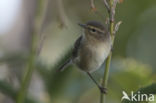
[105, 77]
[30, 66]
[93, 8]
[42, 36]
[111, 11]
[106, 5]
[29, 71]
[62, 17]
[114, 4]
[61, 13]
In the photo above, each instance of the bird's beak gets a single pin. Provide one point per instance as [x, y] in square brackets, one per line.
[82, 25]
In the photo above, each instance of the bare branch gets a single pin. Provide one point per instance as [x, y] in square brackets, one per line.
[62, 18]
[61, 13]
[112, 30]
[114, 3]
[112, 10]
[106, 5]
[42, 27]
[93, 8]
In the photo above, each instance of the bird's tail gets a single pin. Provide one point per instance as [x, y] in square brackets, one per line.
[63, 66]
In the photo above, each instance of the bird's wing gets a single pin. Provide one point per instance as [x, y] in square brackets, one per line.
[76, 47]
[74, 54]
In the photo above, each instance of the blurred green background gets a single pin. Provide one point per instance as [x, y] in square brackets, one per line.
[133, 63]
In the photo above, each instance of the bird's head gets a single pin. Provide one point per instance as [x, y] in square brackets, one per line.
[95, 29]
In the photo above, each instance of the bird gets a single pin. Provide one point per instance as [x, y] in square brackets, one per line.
[90, 50]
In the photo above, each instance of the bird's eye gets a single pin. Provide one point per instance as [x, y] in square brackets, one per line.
[93, 30]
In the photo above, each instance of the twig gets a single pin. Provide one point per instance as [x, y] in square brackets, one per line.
[42, 36]
[106, 5]
[61, 13]
[93, 8]
[111, 11]
[29, 70]
[105, 77]
[62, 17]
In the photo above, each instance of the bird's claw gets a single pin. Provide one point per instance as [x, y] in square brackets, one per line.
[103, 90]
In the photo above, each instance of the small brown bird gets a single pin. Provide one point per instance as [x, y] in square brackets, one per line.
[91, 49]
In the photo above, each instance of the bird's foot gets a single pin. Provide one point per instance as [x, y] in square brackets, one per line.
[103, 90]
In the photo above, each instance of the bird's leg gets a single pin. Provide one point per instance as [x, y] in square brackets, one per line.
[102, 89]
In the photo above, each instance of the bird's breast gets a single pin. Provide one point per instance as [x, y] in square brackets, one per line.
[91, 57]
